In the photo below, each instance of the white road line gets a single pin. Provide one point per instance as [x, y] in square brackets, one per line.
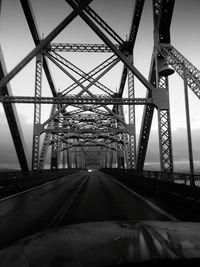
[64, 209]
[152, 205]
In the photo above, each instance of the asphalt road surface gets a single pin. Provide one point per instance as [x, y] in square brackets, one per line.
[77, 198]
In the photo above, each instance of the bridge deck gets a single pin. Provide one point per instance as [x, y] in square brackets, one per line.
[78, 198]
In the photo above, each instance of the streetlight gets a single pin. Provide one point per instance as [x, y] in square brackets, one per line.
[189, 137]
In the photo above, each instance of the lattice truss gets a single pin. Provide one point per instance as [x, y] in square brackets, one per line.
[87, 125]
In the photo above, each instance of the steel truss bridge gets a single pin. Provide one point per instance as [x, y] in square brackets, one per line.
[86, 129]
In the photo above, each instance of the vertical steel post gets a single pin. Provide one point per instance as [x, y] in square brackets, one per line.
[64, 156]
[54, 152]
[132, 137]
[46, 141]
[37, 112]
[120, 147]
[164, 126]
[166, 159]
[189, 137]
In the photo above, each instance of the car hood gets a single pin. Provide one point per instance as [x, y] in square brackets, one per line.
[105, 243]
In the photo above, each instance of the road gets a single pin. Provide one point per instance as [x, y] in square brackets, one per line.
[77, 198]
[104, 199]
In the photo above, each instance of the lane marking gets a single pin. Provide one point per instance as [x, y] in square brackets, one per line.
[152, 205]
[64, 209]
[33, 188]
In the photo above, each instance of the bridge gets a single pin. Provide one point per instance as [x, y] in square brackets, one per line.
[87, 155]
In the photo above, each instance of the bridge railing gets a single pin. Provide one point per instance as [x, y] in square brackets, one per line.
[159, 183]
[177, 178]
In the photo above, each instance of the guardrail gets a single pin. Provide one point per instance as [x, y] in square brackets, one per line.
[159, 182]
[177, 178]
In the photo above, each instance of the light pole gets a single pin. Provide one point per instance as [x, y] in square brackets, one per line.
[189, 137]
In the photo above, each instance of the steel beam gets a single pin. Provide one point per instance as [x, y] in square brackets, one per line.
[132, 136]
[76, 100]
[46, 142]
[162, 15]
[37, 112]
[43, 43]
[106, 40]
[29, 14]
[174, 58]
[77, 47]
[102, 23]
[80, 84]
[13, 121]
[54, 154]
[85, 89]
[92, 73]
[166, 157]
[128, 46]
[85, 76]
[137, 13]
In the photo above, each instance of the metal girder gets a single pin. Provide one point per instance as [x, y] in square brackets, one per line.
[58, 120]
[93, 72]
[46, 142]
[132, 137]
[54, 154]
[128, 50]
[115, 130]
[88, 138]
[144, 136]
[78, 71]
[89, 145]
[37, 112]
[85, 89]
[121, 87]
[164, 127]
[162, 15]
[126, 144]
[76, 100]
[174, 58]
[102, 23]
[137, 12]
[13, 121]
[163, 10]
[90, 117]
[146, 122]
[84, 75]
[166, 157]
[29, 14]
[120, 55]
[129, 44]
[119, 145]
[83, 107]
[77, 47]
[56, 145]
[44, 43]
[123, 81]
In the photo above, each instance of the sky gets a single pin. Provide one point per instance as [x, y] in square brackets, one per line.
[16, 43]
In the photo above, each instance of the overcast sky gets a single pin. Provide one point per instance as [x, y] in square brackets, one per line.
[17, 42]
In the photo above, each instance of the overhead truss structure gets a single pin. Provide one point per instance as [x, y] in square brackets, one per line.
[87, 125]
